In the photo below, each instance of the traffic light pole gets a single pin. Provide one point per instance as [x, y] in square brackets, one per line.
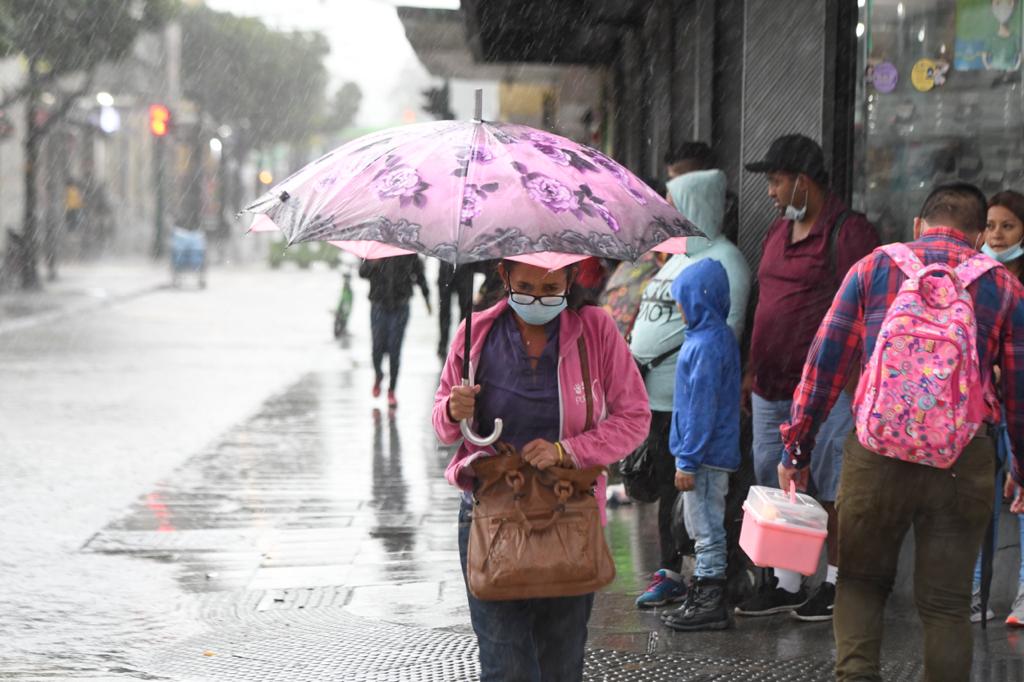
[158, 178]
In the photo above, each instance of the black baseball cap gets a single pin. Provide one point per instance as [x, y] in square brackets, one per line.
[793, 154]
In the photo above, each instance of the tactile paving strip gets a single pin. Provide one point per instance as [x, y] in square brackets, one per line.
[329, 643]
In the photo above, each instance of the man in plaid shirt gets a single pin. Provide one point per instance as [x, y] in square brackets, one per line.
[881, 498]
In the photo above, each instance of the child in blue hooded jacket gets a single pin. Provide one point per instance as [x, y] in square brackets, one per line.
[705, 436]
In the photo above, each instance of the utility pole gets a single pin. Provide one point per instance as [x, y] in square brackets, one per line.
[159, 125]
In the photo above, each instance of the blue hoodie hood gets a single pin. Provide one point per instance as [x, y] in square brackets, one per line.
[705, 418]
[703, 292]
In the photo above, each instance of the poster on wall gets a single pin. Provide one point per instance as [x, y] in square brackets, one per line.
[988, 35]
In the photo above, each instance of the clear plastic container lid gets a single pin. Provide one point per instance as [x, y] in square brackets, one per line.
[772, 505]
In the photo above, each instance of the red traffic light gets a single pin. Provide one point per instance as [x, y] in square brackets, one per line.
[159, 119]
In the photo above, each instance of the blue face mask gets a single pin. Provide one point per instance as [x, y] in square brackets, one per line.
[535, 313]
[1005, 256]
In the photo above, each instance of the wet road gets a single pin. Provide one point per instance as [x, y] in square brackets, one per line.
[198, 486]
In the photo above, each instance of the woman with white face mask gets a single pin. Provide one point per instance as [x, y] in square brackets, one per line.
[1003, 236]
[532, 356]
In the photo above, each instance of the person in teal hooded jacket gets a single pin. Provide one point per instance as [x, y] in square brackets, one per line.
[657, 335]
[705, 438]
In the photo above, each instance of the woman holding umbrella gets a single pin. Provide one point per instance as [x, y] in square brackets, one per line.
[561, 383]
[528, 371]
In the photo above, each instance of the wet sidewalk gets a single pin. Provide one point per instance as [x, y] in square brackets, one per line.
[316, 541]
[313, 536]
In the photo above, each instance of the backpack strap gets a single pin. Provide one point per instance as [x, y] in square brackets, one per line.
[904, 257]
[833, 241]
[974, 267]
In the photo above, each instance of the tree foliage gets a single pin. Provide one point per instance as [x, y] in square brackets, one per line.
[269, 85]
[343, 108]
[68, 36]
[61, 38]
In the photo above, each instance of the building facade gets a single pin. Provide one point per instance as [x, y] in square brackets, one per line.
[901, 94]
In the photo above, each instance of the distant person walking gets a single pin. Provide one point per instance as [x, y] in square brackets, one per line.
[391, 283]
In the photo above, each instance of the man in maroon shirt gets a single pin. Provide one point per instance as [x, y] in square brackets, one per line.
[805, 255]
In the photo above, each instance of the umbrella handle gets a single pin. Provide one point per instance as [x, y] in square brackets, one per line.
[471, 437]
[481, 441]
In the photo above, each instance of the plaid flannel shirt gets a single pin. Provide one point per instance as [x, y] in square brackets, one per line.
[850, 329]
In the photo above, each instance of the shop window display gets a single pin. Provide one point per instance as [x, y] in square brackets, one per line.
[940, 99]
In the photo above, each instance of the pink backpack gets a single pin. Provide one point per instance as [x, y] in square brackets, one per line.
[921, 397]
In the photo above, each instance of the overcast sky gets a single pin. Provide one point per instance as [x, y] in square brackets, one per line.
[368, 46]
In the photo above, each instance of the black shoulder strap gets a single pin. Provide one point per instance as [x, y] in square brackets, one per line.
[588, 386]
[646, 367]
[833, 241]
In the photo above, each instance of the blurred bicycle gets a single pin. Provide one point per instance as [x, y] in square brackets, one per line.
[344, 309]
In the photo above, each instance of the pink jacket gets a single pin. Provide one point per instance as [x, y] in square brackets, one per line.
[622, 415]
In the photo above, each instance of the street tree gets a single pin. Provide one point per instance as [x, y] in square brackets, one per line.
[341, 112]
[267, 86]
[62, 42]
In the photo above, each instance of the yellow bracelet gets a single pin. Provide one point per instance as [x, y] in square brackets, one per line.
[561, 453]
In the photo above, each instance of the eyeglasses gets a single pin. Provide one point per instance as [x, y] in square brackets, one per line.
[528, 299]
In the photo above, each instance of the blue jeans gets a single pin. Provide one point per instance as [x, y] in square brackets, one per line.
[704, 515]
[387, 327]
[526, 640]
[1004, 451]
[827, 457]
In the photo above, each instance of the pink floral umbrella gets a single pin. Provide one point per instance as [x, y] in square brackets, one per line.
[467, 191]
[472, 191]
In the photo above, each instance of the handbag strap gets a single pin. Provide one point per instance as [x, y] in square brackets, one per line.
[587, 385]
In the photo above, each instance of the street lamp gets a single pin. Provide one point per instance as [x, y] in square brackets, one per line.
[104, 99]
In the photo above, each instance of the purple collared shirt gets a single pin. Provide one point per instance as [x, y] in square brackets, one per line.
[526, 398]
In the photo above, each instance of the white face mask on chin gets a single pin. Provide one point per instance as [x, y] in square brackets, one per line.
[792, 212]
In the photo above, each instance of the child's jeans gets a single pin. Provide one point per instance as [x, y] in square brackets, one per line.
[704, 516]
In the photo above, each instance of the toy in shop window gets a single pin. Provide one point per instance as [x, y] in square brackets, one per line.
[988, 35]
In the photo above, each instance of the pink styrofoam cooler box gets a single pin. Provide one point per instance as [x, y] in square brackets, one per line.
[783, 530]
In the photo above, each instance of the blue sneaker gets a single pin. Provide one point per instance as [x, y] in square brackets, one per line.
[662, 590]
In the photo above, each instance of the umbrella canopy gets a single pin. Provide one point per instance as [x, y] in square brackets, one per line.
[466, 191]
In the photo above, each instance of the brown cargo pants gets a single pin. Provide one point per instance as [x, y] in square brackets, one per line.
[879, 500]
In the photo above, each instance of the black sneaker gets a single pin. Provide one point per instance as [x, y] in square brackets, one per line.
[772, 599]
[819, 606]
[704, 609]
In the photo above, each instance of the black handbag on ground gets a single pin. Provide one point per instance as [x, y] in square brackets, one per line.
[640, 475]
[639, 469]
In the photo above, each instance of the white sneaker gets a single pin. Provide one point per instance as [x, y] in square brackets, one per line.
[976, 607]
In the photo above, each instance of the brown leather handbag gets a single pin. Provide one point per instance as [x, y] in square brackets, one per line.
[536, 533]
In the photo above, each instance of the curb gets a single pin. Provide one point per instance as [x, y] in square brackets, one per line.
[34, 320]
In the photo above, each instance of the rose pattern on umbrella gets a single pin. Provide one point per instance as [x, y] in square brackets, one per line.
[401, 233]
[541, 138]
[472, 201]
[618, 172]
[559, 198]
[606, 216]
[467, 155]
[397, 180]
[555, 154]
[477, 155]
